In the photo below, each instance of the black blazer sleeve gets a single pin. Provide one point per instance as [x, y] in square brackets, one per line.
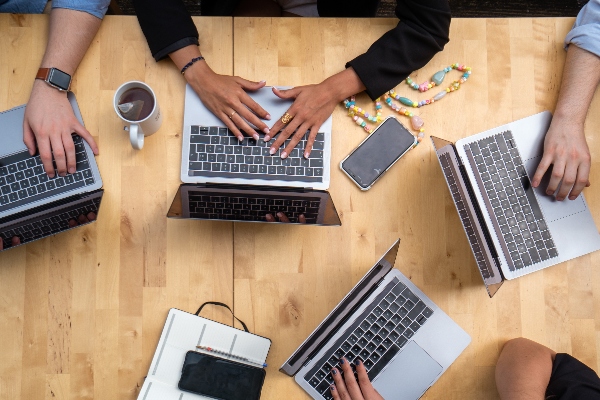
[422, 32]
[167, 25]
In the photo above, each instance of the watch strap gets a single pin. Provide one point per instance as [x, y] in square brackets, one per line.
[43, 74]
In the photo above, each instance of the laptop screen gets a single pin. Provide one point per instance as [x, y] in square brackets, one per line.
[254, 204]
[49, 219]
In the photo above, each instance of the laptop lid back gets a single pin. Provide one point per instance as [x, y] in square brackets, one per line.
[254, 204]
[340, 314]
[469, 213]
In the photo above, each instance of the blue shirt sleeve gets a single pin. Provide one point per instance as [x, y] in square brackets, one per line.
[97, 8]
[585, 34]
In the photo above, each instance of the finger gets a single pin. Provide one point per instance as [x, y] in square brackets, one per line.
[349, 380]
[541, 169]
[282, 137]
[302, 219]
[92, 216]
[558, 171]
[244, 127]
[287, 93]
[28, 138]
[59, 155]
[334, 392]
[568, 181]
[366, 387]
[583, 173]
[310, 142]
[16, 241]
[282, 217]
[270, 218]
[82, 219]
[340, 386]
[69, 147]
[253, 119]
[72, 223]
[255, 107]
[46, 156]
[300, 132]
[87, 136]
[232, 127]
[249, 85]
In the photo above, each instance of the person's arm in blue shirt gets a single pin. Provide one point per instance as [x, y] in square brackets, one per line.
[565, 146]
[49, 119]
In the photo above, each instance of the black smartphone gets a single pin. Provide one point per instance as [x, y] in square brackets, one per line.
[220, 378]
[378, 152]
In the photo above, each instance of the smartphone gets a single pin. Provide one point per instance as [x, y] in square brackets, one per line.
[220, 378]
[378, 152]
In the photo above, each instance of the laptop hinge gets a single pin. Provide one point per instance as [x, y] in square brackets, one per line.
[255, 187]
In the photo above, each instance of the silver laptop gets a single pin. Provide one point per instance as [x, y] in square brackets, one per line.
[229, 175]
[32, 205]
[405, 341]
[513, 228]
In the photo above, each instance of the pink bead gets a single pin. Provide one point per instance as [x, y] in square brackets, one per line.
[355, 118]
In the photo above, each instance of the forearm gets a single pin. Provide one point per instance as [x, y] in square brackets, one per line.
[71, 33]
[580, 79]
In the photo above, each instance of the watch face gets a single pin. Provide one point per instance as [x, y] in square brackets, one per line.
[59, 79]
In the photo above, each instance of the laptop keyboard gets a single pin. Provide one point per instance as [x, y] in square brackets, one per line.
[47, 225]
[517, 215]
[23, 179]
[376, 336]
[252, 207]
[216, 152]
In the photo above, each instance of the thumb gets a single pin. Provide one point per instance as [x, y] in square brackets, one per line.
[28, 138]
[249, 85]
[287, 94]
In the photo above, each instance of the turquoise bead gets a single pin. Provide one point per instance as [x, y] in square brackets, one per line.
[405, 101]
[438, 77]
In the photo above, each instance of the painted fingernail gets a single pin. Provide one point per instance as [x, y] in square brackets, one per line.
[342, 361]
[284, 154]
[72, 170]
[357, 362]
[535, 183]
[255, 136]
[334, 371]
[266, 130]
[272, 151]
[262, 82]
[332, 387]
[306, 155]
[268, 116]
[280, 214]
[267, 138]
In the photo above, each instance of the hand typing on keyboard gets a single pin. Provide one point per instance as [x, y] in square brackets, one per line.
[48, 123]
[347, 387]
[283, 218]
[82, 219]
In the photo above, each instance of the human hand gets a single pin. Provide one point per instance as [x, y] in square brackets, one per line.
[225, 97]
[49, 122]
[313, 104]
[283, 218]
[82, 219]
[347, 388]
[566, 149]
[15, 241]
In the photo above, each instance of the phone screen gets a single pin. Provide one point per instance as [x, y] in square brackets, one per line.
[219, 378]
[376, 154]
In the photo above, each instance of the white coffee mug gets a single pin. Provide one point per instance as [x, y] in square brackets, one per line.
[147, 126]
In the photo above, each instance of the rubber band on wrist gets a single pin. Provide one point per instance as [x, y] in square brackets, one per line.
[194, 60]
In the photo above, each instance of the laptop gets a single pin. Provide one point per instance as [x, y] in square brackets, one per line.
[241, 181]
[34, 206]
[405, 341]
[513, 229]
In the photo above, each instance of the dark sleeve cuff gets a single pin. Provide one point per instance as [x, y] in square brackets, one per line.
[421, 33]
[180, 44]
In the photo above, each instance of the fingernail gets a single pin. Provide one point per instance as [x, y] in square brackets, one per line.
[341, 361]
[71, 170]
[572, 197]
[549, 192]
[268, 116]
[267, 138]
[284, 154]
[240, 138]
[306, 155]
[332, 387]
[262, 82]
[279, 214]
[357, 362]
[266, 130]
[272, 151]
[255, 136]
[334, 371]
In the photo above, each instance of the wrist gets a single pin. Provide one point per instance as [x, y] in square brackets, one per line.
[198, 73]
[41, 87]
[344, 84]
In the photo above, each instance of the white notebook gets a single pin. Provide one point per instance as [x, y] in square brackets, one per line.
[184, 332]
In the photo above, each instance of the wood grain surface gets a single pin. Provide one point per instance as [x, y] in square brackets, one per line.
[81, 312]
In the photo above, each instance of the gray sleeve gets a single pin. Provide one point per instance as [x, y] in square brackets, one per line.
[585, 34]
[97, 8]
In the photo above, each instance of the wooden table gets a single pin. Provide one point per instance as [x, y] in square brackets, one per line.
[80, 313]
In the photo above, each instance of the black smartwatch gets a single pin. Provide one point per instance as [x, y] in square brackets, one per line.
[55, 77]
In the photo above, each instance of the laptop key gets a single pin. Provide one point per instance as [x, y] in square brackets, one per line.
[382, 361]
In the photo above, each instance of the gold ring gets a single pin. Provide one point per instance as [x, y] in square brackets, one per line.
[232, 114]
[286, 118]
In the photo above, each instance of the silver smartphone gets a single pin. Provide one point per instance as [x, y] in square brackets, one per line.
[377, 153]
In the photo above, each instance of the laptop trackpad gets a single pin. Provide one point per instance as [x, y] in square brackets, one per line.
[409, 375]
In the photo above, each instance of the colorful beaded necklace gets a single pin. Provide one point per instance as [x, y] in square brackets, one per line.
[416, 122]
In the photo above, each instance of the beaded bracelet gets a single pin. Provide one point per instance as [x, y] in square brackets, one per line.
[191, 63]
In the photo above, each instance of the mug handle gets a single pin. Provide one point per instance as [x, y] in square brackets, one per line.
[136, 136]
